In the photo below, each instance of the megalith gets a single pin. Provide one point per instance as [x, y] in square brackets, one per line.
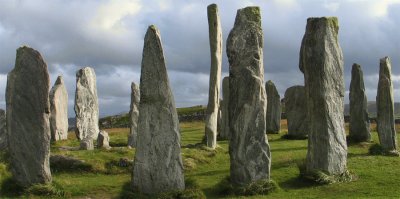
[3, 131]
[359, 130]
[385, 108]
[103, 140]
[296, 112]
[250, 156]
[59, 111]
[28, 112]
[134, 114]
[86, 104]
[158, 163]
[321, 61]
[225, 109]
[273, 115]
[215, 37]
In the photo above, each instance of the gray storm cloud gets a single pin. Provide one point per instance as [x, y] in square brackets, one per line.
[108, 35]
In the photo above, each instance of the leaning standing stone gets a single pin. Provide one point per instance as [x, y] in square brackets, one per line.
[3, 131]
[103, 140]
[249, 150]
[296, 112]
[86, 104]
[158, 164]
[59, 111]
[215, 34]
[134, 114]
[28, 111]
[359, 122]
[225, 109]
[385, 107]
[273, 116]
[321, 61]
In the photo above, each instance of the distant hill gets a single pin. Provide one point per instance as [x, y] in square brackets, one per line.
[372, 109]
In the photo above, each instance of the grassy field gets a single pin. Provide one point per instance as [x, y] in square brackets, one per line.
[378, 176]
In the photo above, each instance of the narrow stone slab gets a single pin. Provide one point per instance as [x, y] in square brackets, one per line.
[296, 112]
[134, 114]
[215, 36]
[385, 108]
[249, 151]
[273, 115]
[158, 163]
[28, 112]
[103, 140]
[59, 111]
[321, 61]
[86, 104]
[3, 131]
[225, 109]
[359, 123]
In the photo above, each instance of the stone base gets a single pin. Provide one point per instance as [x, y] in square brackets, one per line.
[260, 187]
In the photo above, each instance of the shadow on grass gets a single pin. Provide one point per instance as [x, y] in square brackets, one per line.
[10, 189]
[298, 183]
[288, 149]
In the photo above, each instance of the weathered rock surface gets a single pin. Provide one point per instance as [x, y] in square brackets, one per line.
[385, 107]
[134, 114]
[86, 144]
[158, 163]
[215, 36]
[59, 111]
[103, 140]
[86, 104]
[359, 122]
[273, 116]
[249, 151]
[321, 61]
[296, 112]
[225, 109]
[3, 131]
[28, 112]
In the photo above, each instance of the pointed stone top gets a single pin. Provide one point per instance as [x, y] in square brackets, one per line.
[385, 68]
[60, 80]
[270, 82]
[251, 13]
[27, 55]
[212, 8]
[134, 85]
[84, 70]
[356, 66]
[385, 60]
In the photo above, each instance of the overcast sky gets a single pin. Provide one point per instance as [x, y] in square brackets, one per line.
[108, 36]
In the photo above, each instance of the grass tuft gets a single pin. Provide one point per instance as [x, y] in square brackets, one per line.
[377, 149]
[322, 178]
[46, 190]
[260, 187]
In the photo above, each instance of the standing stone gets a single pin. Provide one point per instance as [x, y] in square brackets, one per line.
[225, 109]
[103, 140]
[158, 163]
[249, 151]
[28, 112]
[86, 104]
[321, 61]
[59, 111]
[296, 112]
[359, 122]
[215, 36]
[134, 114]
[273, 115]
[3, 131]
[219, 123]
[385, 108]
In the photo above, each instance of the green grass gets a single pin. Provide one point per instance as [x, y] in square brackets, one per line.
[378, 176]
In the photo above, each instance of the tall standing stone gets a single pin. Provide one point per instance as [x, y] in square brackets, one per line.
[359, 122]
[225, 109]
[321, 61]
[134, 114]
[296, 112]
[215, 36]
[86, 104]
[273, 116]
[28, 112]
[59, 111]
[385, 108]
[250, 156]
[158, 163]
[3, 131]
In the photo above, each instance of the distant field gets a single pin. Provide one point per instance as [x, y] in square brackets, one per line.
[378, 175]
